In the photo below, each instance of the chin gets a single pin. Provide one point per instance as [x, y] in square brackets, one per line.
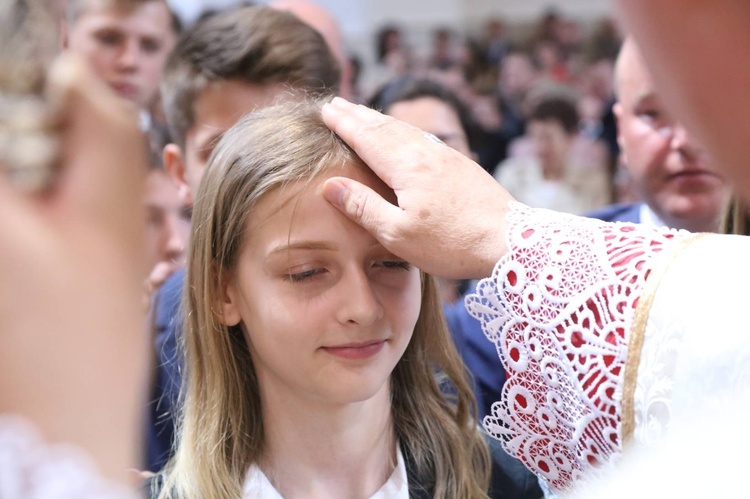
[354, 391]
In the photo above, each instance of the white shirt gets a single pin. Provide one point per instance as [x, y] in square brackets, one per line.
[257, 485]
[649, 217]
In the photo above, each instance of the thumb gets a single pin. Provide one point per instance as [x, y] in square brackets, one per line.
[365, 207]
[102, 148]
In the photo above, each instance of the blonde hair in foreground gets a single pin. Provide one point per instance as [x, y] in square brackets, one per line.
[221, 431]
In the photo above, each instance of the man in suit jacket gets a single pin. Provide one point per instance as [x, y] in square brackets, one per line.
[677, 181]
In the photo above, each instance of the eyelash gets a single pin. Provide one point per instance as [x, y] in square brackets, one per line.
[303, 276]
[312, 273]
[396, 265]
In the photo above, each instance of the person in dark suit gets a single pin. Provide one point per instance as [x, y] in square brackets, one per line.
[677, 180]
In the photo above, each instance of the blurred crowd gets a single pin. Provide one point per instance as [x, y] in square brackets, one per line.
[505, 72]
[532, 102]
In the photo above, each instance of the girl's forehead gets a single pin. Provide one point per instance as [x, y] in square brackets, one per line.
[282, 195]
[283, 204]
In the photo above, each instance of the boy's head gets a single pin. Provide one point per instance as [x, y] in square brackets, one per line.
[228, 65]
[125, 41]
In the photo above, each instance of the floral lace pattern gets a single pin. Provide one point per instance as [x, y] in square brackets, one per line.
[559, 308]
[32, 469]
[652, 400]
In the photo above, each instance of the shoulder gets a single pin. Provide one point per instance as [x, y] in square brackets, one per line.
[621, 212]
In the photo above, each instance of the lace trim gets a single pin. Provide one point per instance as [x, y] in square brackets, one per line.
[32, 469]
[559, 308]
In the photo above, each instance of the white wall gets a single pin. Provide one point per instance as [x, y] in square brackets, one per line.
[368, 14]
[525, 10]
[359, 16]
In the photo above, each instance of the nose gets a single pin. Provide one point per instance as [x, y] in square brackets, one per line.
[128, 58]
[359, 302]
[173, 240]
[684, 143]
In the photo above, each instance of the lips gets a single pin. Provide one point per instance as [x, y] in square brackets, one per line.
[127, 90]
[696, 175]
[356, 351]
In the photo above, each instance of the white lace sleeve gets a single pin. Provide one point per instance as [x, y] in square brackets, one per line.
[32, 469]
[559, 308]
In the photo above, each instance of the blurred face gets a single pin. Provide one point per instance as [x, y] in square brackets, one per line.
[551, 143]
[168, 220]
[327, 311]
[434, 116]
[217, 108]
[672, 173]
[516, 75]
[127, 48]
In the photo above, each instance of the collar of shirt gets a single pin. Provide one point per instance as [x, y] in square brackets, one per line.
[257, 485]
[648, 217]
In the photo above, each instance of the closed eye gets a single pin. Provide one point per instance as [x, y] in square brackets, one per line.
[394, 265]
[306, 275]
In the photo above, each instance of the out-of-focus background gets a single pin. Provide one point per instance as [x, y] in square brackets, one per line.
[361, 20]
[556, 47]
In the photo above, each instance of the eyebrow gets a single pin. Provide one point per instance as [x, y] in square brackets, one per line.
[644, 96]
[303, 245]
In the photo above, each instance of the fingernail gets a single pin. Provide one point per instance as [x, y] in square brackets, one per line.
[329, 111]
[340, 102]
[334, 191]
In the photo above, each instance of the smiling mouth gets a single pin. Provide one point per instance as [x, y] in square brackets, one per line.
[357, 350]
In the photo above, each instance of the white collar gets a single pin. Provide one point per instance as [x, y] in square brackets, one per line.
[648, 217]
[257, 485]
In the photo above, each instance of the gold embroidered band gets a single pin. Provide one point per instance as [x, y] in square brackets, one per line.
[637, 333]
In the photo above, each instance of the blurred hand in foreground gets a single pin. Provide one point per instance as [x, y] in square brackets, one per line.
[73, 354]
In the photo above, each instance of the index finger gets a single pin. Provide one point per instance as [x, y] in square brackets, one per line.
[381, 141]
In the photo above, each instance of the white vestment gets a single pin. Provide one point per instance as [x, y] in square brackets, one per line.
[610, 334]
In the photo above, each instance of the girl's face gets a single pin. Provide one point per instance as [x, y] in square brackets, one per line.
[327, 311]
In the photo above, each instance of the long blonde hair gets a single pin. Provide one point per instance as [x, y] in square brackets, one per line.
[735, 218]
[221, 430]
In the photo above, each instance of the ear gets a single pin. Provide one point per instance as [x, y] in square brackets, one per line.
[617, 111]
[174, 163]
[229, 297]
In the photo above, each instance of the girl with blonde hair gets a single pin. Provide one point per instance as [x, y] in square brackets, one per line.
[318, 363]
